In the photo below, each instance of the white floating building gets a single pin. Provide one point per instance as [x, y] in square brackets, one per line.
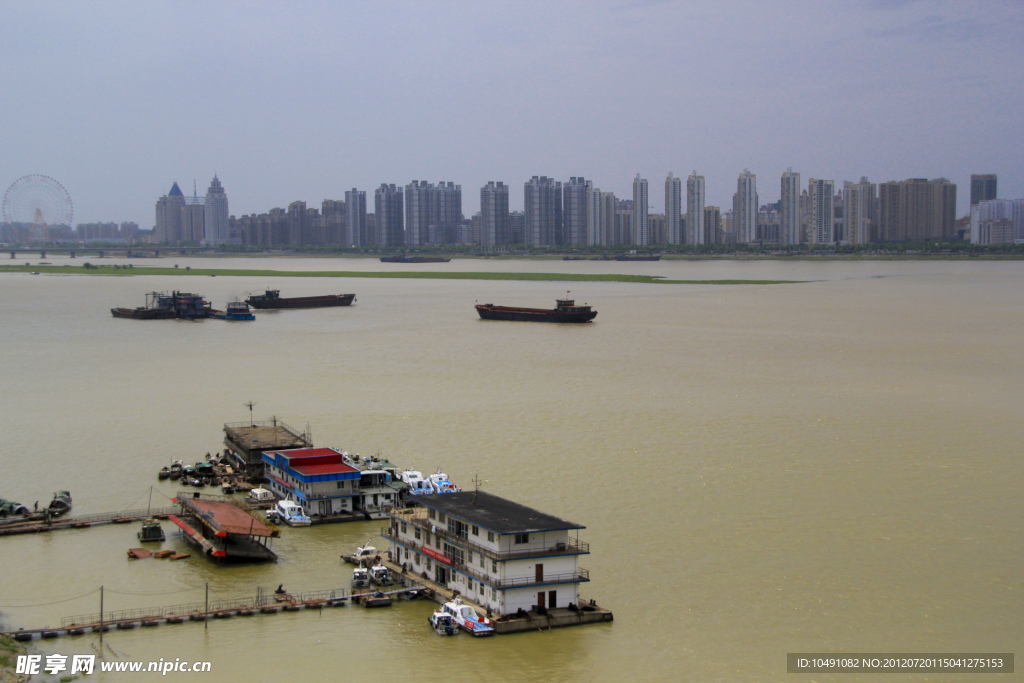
[497, 553]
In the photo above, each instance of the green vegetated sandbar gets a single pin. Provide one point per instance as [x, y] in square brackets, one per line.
[424, 275]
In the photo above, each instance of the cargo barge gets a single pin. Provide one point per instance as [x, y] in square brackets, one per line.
[414, 259]
[565, 311]
[272, 298]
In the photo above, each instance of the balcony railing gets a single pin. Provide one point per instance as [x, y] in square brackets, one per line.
[579, 576]
[571, 546]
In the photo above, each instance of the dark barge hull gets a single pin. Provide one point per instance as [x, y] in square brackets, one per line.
[537, 315]
[414, 259]
[302, 301]
[142, 313]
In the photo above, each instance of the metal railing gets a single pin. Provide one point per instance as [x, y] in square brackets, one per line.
[572, 546]
[579, 576]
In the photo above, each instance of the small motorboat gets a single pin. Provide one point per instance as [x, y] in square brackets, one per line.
[360, 577]
[443, 623]
[165, 473]
[467, 618]
[151, 531]
[380, 576]
[364, 553]
[291, 513]
[61, 503]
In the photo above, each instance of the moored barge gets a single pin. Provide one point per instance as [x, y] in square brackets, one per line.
[414, 259]
[272, 298]
[565, 311]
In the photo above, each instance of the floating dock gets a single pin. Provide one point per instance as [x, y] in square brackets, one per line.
[225, 528]
[265, 602]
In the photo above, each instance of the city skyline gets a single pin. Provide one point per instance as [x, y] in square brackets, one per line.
[887, 90]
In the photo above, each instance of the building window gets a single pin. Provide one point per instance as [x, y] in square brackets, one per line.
[494, 568]
[490, 537]
[470, 556]
[522, 538]
[440, 517]
[403, 528]
[416, 532]
[476, 530]
[482, 565]
[430, 513]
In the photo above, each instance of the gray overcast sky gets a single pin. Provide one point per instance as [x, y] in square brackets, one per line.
[293, 100]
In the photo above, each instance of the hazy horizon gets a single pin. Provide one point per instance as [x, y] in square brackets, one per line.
[302, 101]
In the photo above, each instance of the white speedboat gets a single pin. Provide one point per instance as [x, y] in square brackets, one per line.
[443, 623]
[380, 575]
[439, 483]
[417, 484]
[466, 617]
[291, 513]
[360, 577]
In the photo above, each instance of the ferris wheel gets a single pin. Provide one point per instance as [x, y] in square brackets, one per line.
[37, 202]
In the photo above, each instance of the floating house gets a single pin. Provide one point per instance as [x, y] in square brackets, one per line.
[224, 528]
[246, 442]
[497, 553]
[318, 479]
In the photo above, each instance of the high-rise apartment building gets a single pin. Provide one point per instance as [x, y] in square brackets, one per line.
[601, 208]
[916, 209]
[298, 223]
[696, 228]
[822, 211]
[355, 217]
[542, 206]
[712, 225]
[790, 225]
[217, 215]
[168, 215]
[983, 187]
[333, 214]
[576, 195]
[494, 214]
[387, 206]
[674, 209]
[422, 210]
[449, 213]
[640, 227]
[860, 212]
[744, 208]
[997, 221]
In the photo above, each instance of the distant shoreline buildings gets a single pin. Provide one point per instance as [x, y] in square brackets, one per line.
[576, 213]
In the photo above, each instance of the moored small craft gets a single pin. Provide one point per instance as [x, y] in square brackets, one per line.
[164, 473]
[466, 617]
[443, 623]
[380, 575]
[565, 311]
[365, 553]
[272, 298]
[291, 513]
[360, 577]
[61, 503]
[151, 531]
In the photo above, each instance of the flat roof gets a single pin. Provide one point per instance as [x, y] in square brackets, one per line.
[226, 517]
[494, 513]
